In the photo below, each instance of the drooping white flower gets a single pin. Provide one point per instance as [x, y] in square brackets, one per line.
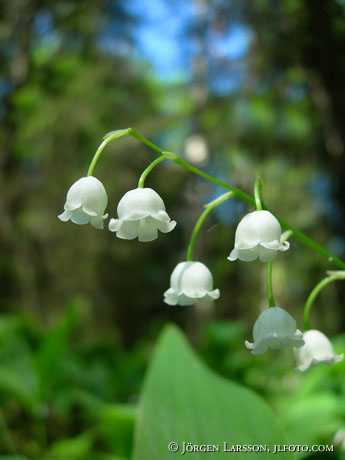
[275, 328]
[141, 214]
[190, 282]
[86, 202]
[258, 235]
[316, 349]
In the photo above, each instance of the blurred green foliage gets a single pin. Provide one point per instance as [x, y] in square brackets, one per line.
[65, 398]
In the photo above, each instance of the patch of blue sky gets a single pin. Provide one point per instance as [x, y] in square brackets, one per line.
[231, 210]
[233, 44]
[43, 23]
[114, 43]
[321, 187]
[227, 78]
[46, 36]
[228, 51]
[5, 87]
[159, 36]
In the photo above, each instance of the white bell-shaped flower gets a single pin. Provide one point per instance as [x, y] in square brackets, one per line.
[258, 235]
[316, 349]
[86, 202]
[274, 329]
[190, 282]
[141, 214]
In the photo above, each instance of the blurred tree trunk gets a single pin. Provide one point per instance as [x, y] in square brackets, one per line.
[20, 17]
[324, 55]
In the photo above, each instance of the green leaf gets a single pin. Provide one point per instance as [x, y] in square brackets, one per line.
[301, 414]
[53, 352]
[18, 376]
[15, 385]
[12, 457]
[183, 401]
[116, 426]
[70, 449]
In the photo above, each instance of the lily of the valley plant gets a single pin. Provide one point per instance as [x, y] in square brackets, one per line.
[260, 235]
[141, 214]
[190, 282]
[86, 202]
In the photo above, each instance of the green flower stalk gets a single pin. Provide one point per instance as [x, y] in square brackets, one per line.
[238, 193]
[209, 207]
[191, 281]
[269, 281]
[259, 235]
[151, 166]
[257, 193]
[332, 276]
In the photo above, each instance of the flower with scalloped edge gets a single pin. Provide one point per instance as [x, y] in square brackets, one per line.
[190, 282]
[317, 349]
[86, 202]
[141, 213]
[258, 235]
[275, 328]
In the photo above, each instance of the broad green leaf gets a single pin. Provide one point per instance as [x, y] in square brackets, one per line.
[183, 401]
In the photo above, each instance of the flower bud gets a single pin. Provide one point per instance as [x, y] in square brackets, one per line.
[258, 235]
[274, 329]
[316, 349]
[141, 214]
[86, 202]
[190, 283]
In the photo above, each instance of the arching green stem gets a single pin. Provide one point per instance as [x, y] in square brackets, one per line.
[257, 193]
[332, 276]
[110, 137]
[197, 227]
[238, 193]
[270, 296]
[151, 166]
